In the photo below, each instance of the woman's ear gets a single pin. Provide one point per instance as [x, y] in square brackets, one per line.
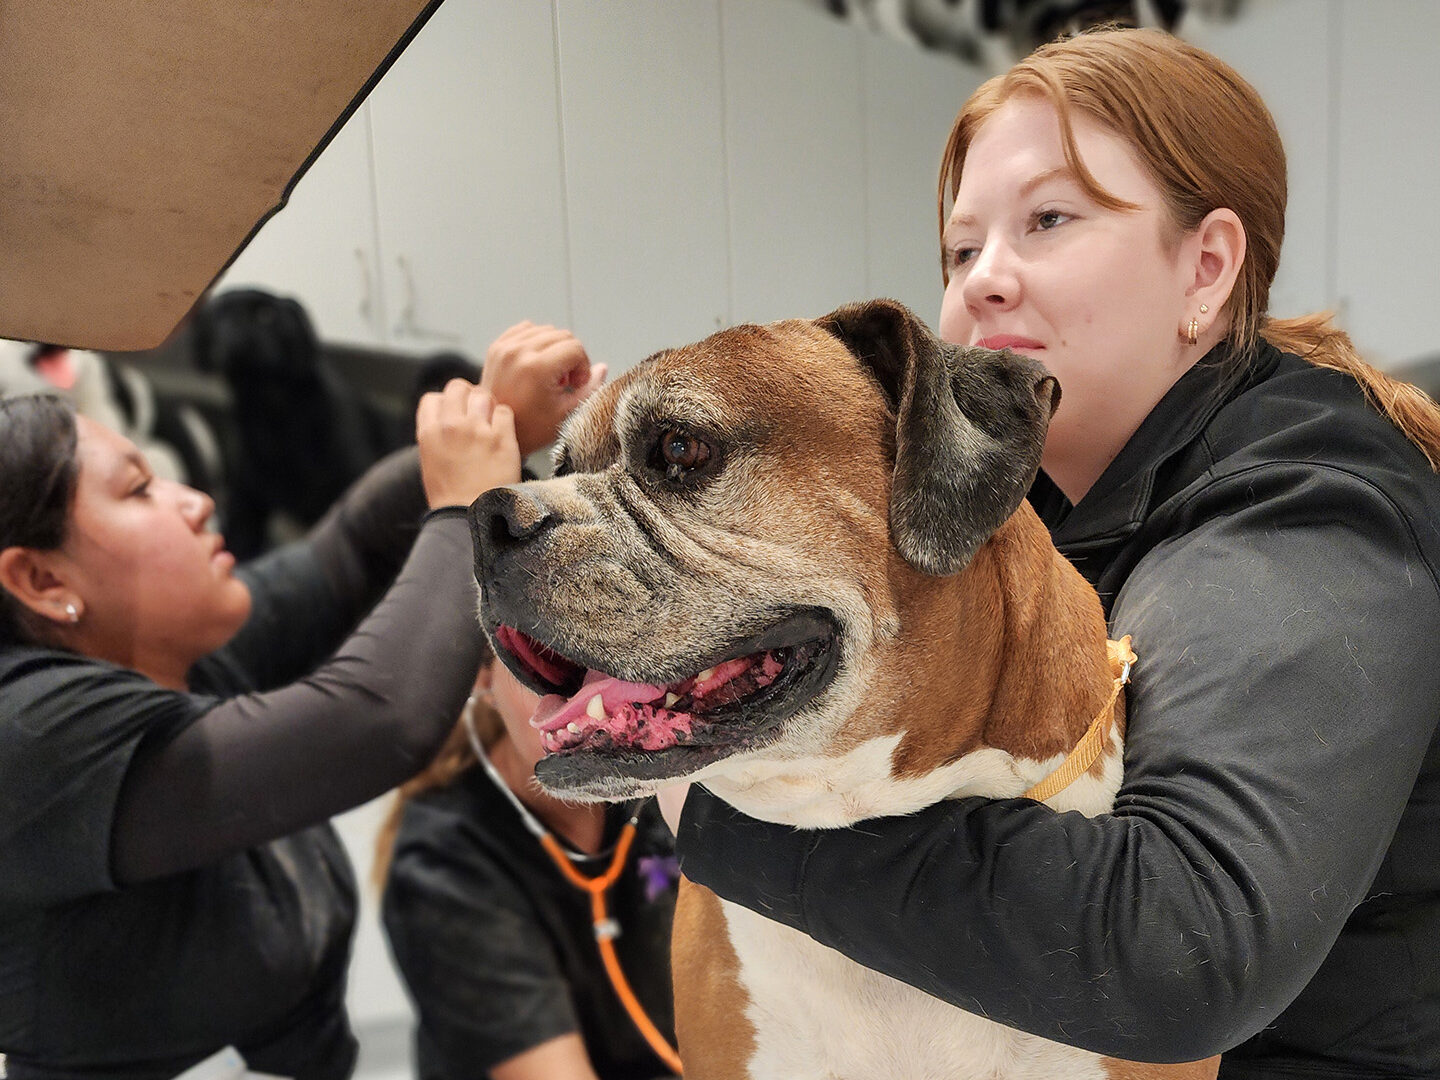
[30, 577]
[1219, 247]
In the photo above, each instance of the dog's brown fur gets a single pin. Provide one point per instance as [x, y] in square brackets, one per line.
[969, 642]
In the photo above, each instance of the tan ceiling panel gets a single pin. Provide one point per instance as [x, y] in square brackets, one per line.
[142, 142]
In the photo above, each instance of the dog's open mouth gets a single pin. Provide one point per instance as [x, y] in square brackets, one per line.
[670, 729]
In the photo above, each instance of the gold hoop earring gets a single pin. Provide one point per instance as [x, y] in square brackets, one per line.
[1192, 332]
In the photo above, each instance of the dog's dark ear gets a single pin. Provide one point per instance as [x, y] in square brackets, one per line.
[969, 428]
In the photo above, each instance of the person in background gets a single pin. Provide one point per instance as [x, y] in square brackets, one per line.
[300, 432]
[1257, 507]
[488, 887]
[175, 731]
[492, 932]
[109, 392]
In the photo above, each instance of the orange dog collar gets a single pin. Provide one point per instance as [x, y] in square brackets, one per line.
[1084, 753]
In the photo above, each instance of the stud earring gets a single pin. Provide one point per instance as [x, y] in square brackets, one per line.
[1204, 308]
[71, 613]
[1192, 332]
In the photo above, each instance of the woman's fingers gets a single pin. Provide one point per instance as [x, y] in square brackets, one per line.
[467, 444]
[542, 372]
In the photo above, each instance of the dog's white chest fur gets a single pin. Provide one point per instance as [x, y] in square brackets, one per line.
[817, 1014]
[826, 792]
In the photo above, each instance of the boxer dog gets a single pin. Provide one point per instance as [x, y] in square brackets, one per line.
[795, 562]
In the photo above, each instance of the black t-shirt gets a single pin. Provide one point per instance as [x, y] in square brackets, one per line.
[140, 982]
[117, 959]
[498, 949]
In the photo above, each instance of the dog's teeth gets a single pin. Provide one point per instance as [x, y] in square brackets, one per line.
[670, 698]
[595, 708]
[573, 728]
[705, 674]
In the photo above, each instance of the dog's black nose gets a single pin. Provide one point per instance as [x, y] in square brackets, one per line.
[502, 519]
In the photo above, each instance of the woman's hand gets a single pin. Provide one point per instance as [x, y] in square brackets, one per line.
[542, 373]
[467, 444]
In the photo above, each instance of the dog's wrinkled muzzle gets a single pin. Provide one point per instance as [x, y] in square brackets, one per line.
[502, 521]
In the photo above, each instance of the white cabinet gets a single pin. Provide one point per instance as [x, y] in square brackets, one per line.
[468, 178]
[1387, 275]
[646, 171]
[321, 246]
[641, 111]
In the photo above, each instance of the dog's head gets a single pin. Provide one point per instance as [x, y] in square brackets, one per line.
[722, 558]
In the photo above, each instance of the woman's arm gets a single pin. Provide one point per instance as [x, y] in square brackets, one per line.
[308, 595]
[539, 373]
[562, 1058]
[1282, 707]
[259, 766]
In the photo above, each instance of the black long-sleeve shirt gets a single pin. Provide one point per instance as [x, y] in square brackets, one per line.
[1269, 877]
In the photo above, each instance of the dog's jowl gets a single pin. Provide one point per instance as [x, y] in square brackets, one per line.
[794, 561]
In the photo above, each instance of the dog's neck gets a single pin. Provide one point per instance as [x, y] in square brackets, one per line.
[995, 675]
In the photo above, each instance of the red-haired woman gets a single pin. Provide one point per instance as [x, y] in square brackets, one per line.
[1259, 509]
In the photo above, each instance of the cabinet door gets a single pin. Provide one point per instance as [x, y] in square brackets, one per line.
[795, 163]
[320, 248]
[1388, 159]
[468, 178]
[911, 98]
[1284, 49]
[645, 173]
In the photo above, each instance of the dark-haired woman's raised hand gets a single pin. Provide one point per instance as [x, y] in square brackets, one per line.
[543, 373]
[467, 444]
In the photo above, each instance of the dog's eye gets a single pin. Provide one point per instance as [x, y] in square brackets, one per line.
[678, 452]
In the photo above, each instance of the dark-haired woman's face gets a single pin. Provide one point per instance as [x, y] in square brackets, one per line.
[158, 590]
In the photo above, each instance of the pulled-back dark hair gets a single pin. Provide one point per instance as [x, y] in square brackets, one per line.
[38, 472]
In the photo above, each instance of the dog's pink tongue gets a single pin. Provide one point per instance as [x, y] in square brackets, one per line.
[554, 712]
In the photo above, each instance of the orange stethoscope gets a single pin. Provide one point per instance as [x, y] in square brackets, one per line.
[607, 929]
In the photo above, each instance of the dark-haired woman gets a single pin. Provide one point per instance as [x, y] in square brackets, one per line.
[175, 733]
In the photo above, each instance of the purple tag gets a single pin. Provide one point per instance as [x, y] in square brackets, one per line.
[660, 873]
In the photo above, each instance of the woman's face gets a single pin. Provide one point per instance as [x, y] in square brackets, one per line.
[516, 704]
[158, 590]
[1097, 295]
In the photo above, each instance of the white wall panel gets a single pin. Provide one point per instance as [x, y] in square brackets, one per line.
[911, 98]
[1387, 274]
[321, 247]
[794, 142]
[468, 177]
[1283, 49]
[645, 173]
